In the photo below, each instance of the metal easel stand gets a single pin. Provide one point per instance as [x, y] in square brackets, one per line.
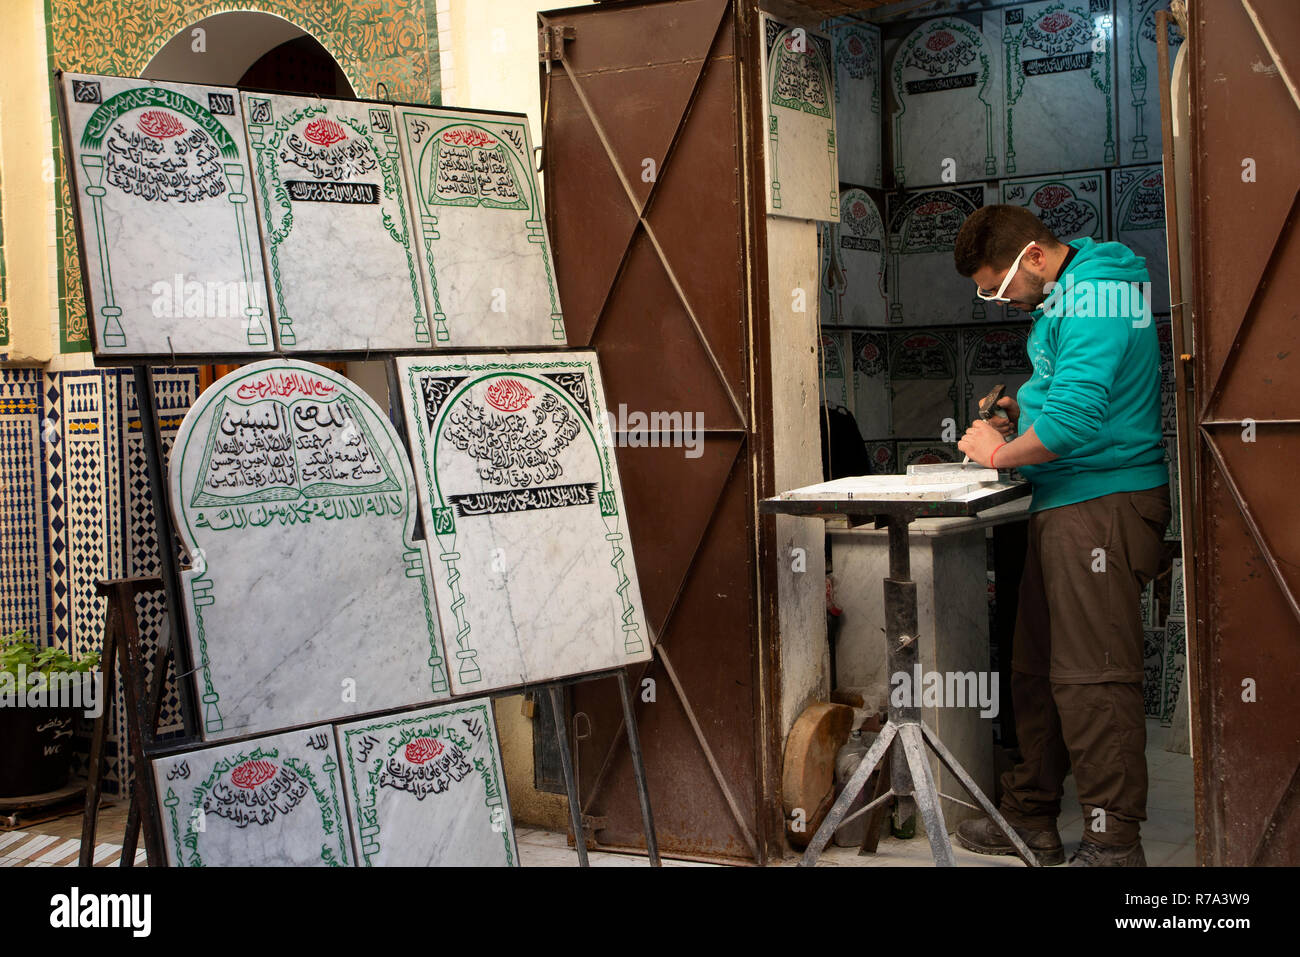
[122, 644]
[905, 735]
[638, 762]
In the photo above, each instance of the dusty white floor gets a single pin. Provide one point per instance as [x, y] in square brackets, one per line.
[1167, 835]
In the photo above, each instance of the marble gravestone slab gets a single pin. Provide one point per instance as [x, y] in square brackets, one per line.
[524, 513]
[1138, 196]
[160, 183]
[925, 385]
[871, 398]
[427, 789]
[335, 225]
[1138, 92]
[799, 101]
[856, 47]
[274, 801]
[481, 238]
[854, 263]
[1059, 62]
[834, 367]
[309, 598]
[925, 287]
[1168, 380]
[1071, 205]
[946, 84]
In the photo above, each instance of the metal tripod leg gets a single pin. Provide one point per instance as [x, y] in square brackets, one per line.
[855, 784]
[638, 769]
[570, 781]
[973, 789]
[926, 795]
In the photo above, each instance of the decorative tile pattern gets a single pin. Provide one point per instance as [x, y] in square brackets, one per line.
[274, 801]
[947, 93]
[1168, 382]
[335, 225]
[924, 383]
[799, 102]
[925, 289]
[520, 495]
[854, 263]
[1059, 61]
[394, 45]
[1138, 196]
[884, 457]
[485, 260]
[427, 789]
[308, 598]
[161, 178]
[1071, 205]
[24, 585]
[1139, 77]
[857, 96]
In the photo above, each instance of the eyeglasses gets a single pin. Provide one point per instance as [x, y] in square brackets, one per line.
[997, 296]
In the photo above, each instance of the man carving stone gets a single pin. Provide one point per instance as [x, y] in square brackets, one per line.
[1085, 432]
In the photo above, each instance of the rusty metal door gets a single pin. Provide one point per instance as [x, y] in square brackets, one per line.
[648, 187]
[1245, 665]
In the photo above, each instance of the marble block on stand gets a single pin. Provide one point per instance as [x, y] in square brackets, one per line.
[1059, 61]
[799, 102]
[160, 184]
[274, 801]
[485, 261]
[945, 79]
[335, 224]
[524, 513]
[427, 788]
[309, 598]
[949, 560]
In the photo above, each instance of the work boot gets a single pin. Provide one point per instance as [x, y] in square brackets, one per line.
[984, 837]
[1092, 854]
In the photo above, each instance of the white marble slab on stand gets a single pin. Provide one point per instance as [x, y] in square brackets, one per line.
[275, 801]
[336, 226]
[160, 180]
[799, 103]
[485, 260]
[894, 488]
[524, 513]
[427, 788]
[309, 598]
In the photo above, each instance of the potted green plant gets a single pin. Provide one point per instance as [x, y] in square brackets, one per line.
[41, 691]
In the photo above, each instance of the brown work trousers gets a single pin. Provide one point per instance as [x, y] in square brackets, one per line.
[1076, 663]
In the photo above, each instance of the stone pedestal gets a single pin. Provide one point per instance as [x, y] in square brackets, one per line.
[949, 565]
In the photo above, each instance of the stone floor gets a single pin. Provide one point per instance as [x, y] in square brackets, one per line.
[1167, 835]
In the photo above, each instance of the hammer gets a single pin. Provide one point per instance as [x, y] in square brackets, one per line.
[989, 407]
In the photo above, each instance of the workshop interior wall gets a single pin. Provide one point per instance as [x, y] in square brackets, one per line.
[1053, 105]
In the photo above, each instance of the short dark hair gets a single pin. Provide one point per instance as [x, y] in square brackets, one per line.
[994, 235]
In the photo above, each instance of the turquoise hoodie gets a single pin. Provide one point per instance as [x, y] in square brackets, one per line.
[1094, 397]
